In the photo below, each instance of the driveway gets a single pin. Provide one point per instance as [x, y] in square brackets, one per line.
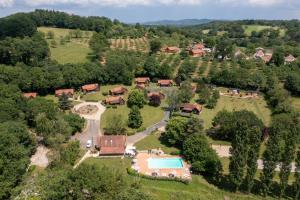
[40, 157]
[131, 140]
[223, 151]
[92, 131]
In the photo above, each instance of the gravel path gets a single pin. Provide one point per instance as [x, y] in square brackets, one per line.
[131, 140]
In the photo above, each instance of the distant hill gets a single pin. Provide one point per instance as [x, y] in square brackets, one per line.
[183, 22]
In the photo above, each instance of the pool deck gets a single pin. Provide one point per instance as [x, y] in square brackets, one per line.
[141, 166]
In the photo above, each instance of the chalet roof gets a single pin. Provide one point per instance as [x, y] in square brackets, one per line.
[173, 48]
[142, 79]
[290, 58]
[260, 53]
[119, 89]
[114, 99]
[197, 51]
[159, 94]
[64, 91]
[267, 58]
[90, 87]
[165, 82]
[30, 95]
[191, 107]
[199, 46]
[112, 144]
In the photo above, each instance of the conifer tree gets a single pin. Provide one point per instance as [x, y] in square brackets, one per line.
[64, 102]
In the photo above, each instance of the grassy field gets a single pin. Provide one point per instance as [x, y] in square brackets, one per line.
[165, 190]
[150, 115]
[257, 105]
[152, 142]
[75, 51]
[250, 28]
[296, 102]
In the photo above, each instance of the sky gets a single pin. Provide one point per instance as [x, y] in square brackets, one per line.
[132, 11]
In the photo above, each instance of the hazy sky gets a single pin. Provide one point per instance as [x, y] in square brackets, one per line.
[149, 10]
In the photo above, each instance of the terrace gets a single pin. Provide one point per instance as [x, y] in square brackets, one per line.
[157, 164]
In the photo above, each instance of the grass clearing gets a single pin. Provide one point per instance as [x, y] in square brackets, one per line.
[75, 51]
[152, 142]
[296, 102]
[250, 28]
[257, 105]
[150, 115]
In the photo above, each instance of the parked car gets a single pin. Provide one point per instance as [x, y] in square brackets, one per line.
[89, 144]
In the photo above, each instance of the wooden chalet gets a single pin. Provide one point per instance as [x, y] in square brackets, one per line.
[116, 100]
[142, 80]
[156, 94]
[68, 92]
[30, 95]
[118, 91]
[90, 88]
[191, 108]
[112, 145]
[165, 83]
[289, 59]
[172, 49]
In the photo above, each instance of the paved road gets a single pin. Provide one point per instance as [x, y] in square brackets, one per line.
[224, 151]
[92, 132]
[131, 140]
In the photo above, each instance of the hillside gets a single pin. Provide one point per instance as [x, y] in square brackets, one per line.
[181, 23]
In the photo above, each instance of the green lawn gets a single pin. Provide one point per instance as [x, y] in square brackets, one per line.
[296, 102]
[249, 28]
[166, 190]
[257, 105]
[152, 142]
[76, 51]
[150, 115]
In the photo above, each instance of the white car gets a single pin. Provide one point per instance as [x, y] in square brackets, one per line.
[89, 144]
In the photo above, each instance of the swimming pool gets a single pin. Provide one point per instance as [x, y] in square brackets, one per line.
[165, 163]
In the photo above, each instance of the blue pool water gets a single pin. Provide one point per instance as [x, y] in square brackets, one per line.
[165, 163]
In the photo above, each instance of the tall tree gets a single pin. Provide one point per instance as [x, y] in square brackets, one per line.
[64, 102]
[155, 46]
[135, 119]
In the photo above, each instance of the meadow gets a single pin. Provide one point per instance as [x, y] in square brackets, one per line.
[250, 28]
[75, 51]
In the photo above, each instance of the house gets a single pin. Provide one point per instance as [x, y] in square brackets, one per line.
[142, 80]
[260, 54]
[172, 50]
[112, 145]
[165, 83]
[90, 88]
[191, 108]
[157, 94]
[289, 59]
[197, 52]
[30, 95]
[118, 91]
[68, 92]
[198, 46]
[117, 100]
[140, 86]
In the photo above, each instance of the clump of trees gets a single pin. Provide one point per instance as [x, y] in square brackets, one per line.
[136, 98]
[135, 119]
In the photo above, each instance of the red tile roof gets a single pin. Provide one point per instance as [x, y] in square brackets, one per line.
[142, 80]
[159, 94]
[118, 90]
[90, 87]
[190, 107]
[30, 95]
[267, 58]
[59, 92]
[259, 54]
[112, 144]
[172, 49]
[165, 82]
[114, 100]
[199, 46]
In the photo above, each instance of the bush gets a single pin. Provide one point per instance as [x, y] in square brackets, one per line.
[136, 98]
[104, 93]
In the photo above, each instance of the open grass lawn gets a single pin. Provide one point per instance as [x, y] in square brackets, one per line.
[166, 190]
[257, 105]
[249, 28]
[296, 102]
[152, 142]
[150, 115]
[75, 51]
